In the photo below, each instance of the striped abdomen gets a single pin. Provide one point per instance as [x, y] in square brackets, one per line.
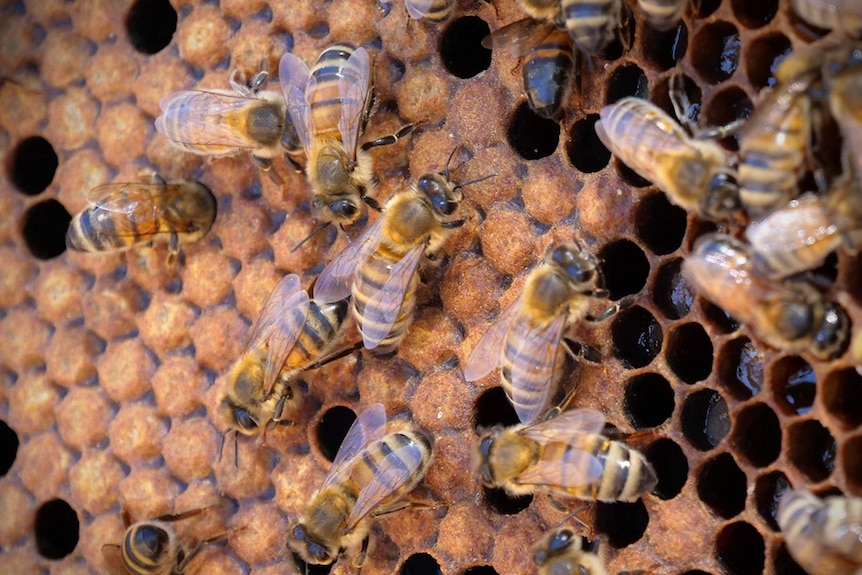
[325, 101]
[322, 327]
[547, 73]
[845, 15]
[591, 23]
[148, 550]
[663, 14]
[436, 11]
[413, 457]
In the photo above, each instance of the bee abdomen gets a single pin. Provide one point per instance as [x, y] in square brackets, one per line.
[93, 230]
[370, 281]
[145, 561]
[531, 390]
[322, 326]
[590, 22]
[627, 474]
[415, 450]
[547, 73]
[663, 14]
[440, 11]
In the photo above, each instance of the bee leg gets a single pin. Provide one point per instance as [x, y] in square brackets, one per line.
[258, 81]
[359, 560]
[183, 561]
[624, 303]
[580, 350]
[170, 517]
[454, 224]
[682, 106]
[343, 352]
[173, 250]
[719, 132]
[391, 139]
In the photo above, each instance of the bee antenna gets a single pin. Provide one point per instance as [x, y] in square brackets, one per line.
[449, 160]
[221, 444]
[309, 236]
[477, 180]
[236, 448]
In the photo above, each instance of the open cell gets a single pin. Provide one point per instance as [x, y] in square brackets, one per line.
[705, 419]
[721, 485]
[811, 449]
[637, 337]
[461, 49]
[740, 368]
[531, 135]
[715, 51]
[660, 224]
[757, 434]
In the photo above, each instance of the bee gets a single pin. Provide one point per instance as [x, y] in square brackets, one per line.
[788, 315]
[436, 11]
[693, 172]
[525, 339]
[330, 105]
[379, 268]
[592, 24]
[293, 333]
[565, 456]
[822, 535]
[843, 78]
[841, 15]
[220, 123]
[371, 473]
[122, 216]
[152, 547]
[548, 62]
[663, 14]
[562, 552]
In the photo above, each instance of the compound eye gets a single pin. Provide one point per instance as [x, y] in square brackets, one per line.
[344, 209]
[244, 419]
[561, 540]
[150, 541]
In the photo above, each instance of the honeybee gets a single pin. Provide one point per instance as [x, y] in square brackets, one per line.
[822, 535]
[152, 547]
[663, 14]
[841, 15]
[371, 473]
[695, 173]
[548, 61]
[292, 333]
[379, 268]
[122, 216]
[220, 123]
[525, 339]
[788, 315]
[566, 456]
[562, 552]
[432, 10]
[592, 24]
[843, 78]
[330, 105]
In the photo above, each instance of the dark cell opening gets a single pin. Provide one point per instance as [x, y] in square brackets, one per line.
[671, 467]
[664, 49]
[852, 455]
[689, 352]
[461, 49]
[332, 428]
[420, 564]
[628, 80]
[812, 449]
[531, 135]
[480, 570]
[503, 503]
[660, 224]
[764, 54]
[727, 106]
[648, 400]
[56, 529]
[794, 385]
[493, 408]
[32, 165]
[842, 396]
[585, 150]
[661, 98]
[637, 337]
[784, 563]
[705, 420]
[719, 318]
[740, 368]
[754, 14]
[715, 51]
[623, 523]
[309, 569]
[8, 447]
[706, 7]
[630, 176]
[624, 267]
[671, 292]
[44, 229]
[721, 485]
[757, 434]
[740, 550]
[150, 25]
[696, 572]
[768, 490]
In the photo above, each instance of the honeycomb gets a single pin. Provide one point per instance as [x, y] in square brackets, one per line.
[110, 366]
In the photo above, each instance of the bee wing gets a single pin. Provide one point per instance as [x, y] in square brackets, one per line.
[112, 556]
[416, 9]
[565, 425]
[138, 203]
[518, 37]
[296, 81]
[775, 113]
[335, 281]
[577, 469]
[202, 115]
[369, 426]
[488, 351]
[353, 89]
[383, 307]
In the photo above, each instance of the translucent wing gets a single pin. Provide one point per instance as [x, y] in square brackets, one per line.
[370, 426]
[112, 557]
[142, 205]
[488, 351]
[353, 89]
[295, 77]
[383, 307]
[577, 469]
[280, 324]
[204, 118]
[416, 9]
[518, 37]
[336, 279]
[566, 425]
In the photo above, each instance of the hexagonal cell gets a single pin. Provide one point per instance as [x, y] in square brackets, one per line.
[764, 54]
[637, 337]
[715, 51]
[757, 434]
[705, 421]
[671, 291]
[420, 564]
[852, 458]
[461, 50]
[689, 352]
[627, 80]
[531, 135]
[332, 428]
[648, 400]
[768, 490]
[623, 523]
[31, 165]
[719, 318]
[784, 564]
[721, 485]
[842, 396]
[706, 7]
[659, 224]
[794, 385]
[584, 149]
[8, 447]
[150, 25]
[660, 96]
[492, 408]
[503, 503]
[624, 267]
[44, 229]
[811, 449]
[740, 550]
[740, 368]
[56, 529]
[664, 49]
[671, 467]
[754, 14]
[729, 105]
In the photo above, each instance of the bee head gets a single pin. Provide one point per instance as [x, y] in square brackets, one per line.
[557, 543]
[342, 209]
[148, 541]
[444, 197]
[721, 197]
[238, 417]
[832, 337]
[580, 267]
[311, 551]
[482, 459]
